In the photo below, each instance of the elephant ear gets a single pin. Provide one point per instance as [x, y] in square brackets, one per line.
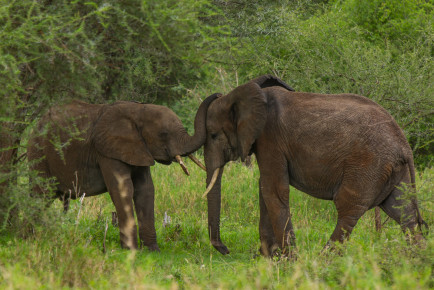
[249, 115]
[266, 81]
[115, 135]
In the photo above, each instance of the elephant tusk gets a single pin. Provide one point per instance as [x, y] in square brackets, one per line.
[195, 160]
[179, 160]
[211, 184]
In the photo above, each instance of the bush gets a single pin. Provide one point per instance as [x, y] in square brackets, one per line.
[399, 21]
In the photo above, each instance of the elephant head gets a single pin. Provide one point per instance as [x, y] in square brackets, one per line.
[140, 134]
[234, 122]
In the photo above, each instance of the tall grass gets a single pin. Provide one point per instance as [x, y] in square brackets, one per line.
[68, 252]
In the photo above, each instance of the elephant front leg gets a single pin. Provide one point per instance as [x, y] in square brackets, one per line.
[266, 233]
[144, 205]
[274, 188]
[117, 176]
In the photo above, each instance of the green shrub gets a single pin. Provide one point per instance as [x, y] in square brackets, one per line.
[399, 21]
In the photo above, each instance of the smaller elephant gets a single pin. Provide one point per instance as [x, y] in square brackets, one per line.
[94, 148]
[344, 148]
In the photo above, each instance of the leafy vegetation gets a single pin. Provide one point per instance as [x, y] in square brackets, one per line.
[176, 53]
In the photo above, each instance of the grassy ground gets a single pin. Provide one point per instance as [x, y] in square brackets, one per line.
[67, 249]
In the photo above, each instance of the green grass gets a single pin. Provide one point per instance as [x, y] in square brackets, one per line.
[66, 250]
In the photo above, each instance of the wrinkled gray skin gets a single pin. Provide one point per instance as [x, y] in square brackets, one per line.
[111, 148]
[344, 148]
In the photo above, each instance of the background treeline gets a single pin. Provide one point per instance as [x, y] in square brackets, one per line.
[175, 52]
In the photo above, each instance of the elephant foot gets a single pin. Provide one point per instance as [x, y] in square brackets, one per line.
[416, 239]
[332, 248]
[129, 246]
[219, 246]
[153, 248]
[290, 254]
[128, 243]
[274, 252]
[279, 255]
[267, 250]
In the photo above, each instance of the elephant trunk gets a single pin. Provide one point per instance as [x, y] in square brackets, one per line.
[189, 144]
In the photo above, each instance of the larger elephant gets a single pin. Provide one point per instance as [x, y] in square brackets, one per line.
[93, 148]
[343, 147]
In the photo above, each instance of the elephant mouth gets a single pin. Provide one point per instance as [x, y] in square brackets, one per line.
[178, 159]
[165, 162]
[230, 154]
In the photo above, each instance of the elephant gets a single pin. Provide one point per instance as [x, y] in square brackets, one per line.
[340, 147]
[93, 148]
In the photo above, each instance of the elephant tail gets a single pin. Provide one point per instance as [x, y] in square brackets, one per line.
[420, 221]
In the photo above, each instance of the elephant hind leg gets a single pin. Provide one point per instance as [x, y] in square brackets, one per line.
[65, 199]
[401, 205]
[406, 213]
[350, 208]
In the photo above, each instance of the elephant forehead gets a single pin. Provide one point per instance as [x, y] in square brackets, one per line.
[155, 110]
[217, 112]
[159, 114]
[214, 123]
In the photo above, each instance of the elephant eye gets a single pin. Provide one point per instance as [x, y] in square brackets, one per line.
[214, 136]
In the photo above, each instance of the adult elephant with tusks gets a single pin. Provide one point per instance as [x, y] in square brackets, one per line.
[343, 147]
[91, 149]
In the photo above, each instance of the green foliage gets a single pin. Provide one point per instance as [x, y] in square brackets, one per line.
[105, 50]
[399, 21]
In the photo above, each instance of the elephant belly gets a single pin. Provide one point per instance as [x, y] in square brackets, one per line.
[92, 182]
[317, 183]
[321, 193]
[89, 182]
[76, 175]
